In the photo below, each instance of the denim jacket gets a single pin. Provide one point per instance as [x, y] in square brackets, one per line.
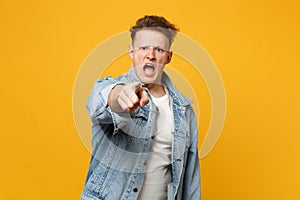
[122, 143]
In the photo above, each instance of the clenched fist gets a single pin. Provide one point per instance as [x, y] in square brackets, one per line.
[125, 98]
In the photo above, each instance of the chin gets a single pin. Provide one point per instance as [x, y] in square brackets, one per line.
[147, 80]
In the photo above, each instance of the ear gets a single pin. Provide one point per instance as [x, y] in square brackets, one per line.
[130, 51]
[169, 58]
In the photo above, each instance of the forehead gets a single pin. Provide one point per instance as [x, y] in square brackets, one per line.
[152, 38]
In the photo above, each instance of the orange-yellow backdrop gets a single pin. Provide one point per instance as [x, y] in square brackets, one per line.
[255, 45]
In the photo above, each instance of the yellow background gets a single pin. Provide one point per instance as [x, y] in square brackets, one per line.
[255, 45]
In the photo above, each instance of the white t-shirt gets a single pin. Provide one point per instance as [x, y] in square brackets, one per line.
[158, 174]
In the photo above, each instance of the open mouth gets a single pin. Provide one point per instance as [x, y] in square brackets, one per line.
[148, 69]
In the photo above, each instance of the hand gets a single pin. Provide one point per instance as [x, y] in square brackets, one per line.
[125, 98]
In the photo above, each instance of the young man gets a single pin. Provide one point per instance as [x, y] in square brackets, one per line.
[144, 129]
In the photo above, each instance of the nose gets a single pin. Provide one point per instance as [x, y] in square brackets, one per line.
[150, 54]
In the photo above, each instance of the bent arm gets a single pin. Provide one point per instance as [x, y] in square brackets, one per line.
[96, 105]
[108, 90]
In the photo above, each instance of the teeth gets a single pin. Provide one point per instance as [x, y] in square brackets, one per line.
[148, 65]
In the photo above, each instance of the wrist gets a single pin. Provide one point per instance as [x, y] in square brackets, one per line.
[112, 97]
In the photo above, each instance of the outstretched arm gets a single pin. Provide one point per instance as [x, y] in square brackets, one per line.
[125, 98]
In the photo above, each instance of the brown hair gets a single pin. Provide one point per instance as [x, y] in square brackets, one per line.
[157, 23]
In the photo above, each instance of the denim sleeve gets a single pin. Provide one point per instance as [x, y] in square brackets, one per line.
[97, 107]
[192, 186]
[100, 112]
[97, 100]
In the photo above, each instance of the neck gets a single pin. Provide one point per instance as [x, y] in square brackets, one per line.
[156, 90]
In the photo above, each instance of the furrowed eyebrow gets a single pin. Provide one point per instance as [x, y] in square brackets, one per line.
[155, 47]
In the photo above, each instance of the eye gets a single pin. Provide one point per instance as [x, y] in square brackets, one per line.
[159, 50]
[144, 48]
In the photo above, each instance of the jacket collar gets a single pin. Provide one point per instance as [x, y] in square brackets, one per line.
[173, 91]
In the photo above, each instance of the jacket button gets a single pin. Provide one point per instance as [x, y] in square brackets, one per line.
[152, 137]
[135, 189]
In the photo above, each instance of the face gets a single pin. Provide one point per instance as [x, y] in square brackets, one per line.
[149, 55]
